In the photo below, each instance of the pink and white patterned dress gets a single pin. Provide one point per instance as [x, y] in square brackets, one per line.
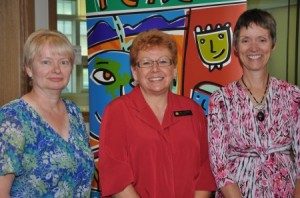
[262, 157]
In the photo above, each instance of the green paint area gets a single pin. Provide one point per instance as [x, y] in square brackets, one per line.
[110, 75]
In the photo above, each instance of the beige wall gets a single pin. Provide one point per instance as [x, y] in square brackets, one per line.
[282, 62]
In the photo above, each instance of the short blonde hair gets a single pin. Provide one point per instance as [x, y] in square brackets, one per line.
[152, 38]
[38, 39]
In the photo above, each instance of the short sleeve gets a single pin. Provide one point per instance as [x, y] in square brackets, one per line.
[114, 168]
[205, 181]
[11, 143]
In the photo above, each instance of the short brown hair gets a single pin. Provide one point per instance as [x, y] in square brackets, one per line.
[152, 38]
[256, 16]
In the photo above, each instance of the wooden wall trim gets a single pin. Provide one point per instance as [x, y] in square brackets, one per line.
[17, 22]
[52, 14]
[27, 26]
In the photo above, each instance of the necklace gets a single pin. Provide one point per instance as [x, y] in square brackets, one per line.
[260, 115]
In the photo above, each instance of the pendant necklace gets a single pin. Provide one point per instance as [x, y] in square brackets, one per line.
[260, 115]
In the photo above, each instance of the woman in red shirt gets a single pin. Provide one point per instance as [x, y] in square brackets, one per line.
[154, 142]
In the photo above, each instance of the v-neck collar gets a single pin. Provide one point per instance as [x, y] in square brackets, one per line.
[47, 124]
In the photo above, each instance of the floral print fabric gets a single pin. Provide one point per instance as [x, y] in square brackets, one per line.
[44, 164]
[261, 157]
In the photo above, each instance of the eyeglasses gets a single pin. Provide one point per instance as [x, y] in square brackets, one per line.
[161, 62]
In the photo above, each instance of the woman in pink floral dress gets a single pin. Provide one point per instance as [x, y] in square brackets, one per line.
[254, 123]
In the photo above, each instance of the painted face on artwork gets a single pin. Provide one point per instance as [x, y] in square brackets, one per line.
[50, 70]
[254, 47]
[155, 70]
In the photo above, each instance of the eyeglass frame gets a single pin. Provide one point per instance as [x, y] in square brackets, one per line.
[155, 61]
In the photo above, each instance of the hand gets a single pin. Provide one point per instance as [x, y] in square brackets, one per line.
[202, 194]
[5, 185]
[231, 191]
[128, 192]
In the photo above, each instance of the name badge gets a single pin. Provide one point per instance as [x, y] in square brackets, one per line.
[183, 113]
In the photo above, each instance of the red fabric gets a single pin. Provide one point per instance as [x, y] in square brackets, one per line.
[168, 160]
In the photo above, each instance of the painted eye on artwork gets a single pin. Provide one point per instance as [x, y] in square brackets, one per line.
[202, 41]
[103, 76]
[221, 36]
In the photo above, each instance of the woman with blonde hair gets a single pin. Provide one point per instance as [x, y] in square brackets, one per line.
[44, 149]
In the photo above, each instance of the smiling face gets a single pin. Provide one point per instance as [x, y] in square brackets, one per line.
[214, 45]
[154, 80]
[254, 47]
[50, 70]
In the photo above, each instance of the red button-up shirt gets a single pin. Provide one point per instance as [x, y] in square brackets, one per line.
[168, 160]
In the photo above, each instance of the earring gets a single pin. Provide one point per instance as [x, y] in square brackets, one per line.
[135, 83]
[174, 82]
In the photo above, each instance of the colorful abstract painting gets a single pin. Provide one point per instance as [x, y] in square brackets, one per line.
[202, 29]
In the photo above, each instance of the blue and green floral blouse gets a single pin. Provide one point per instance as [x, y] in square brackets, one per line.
[44, 164]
